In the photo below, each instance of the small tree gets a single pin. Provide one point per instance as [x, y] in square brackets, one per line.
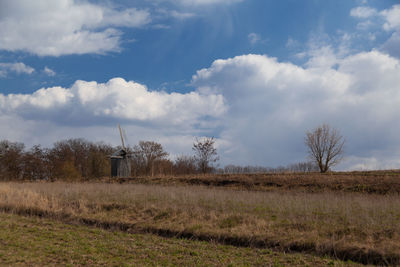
[325, 146]
[205, 154]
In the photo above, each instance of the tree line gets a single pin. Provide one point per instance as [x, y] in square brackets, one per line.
[307, 166]
[80, 159]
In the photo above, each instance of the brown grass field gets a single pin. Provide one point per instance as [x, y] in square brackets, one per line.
[358, 225]
[33, 241]
[371, 182]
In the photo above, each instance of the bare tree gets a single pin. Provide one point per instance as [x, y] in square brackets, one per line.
[205, 154]
[11, 165]
[309, 166]
[151, 153]
[185, 165]
[325, 146]
[35, 164]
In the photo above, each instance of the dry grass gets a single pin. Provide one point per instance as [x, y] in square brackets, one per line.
[361, 227]
[371, 182]
[30, 241]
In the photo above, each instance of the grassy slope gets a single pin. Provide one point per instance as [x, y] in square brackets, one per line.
[34, 241]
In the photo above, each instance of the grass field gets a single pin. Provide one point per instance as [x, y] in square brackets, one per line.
[369, 182]
[357, 226]
[33, 241]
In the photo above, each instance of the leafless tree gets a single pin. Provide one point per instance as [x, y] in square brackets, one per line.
[151, 153]
[185, 165]
[35, 164]
[205, 154]
[11, 165]
[325, 146]
[309, 166]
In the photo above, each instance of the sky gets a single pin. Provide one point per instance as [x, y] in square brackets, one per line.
[254, 74]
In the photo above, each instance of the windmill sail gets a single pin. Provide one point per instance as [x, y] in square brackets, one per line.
[122, 138]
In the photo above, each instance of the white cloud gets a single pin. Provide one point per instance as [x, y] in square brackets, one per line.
[17, 67]
[54, 28]
[92, 110]
[272, 104]
[392, 17]
[115, 100]
[49, 71]
[363, 12]
[130, 17]
[392, 23]
[254, 38]
[369, 17]
[365, 25]
[388, 19]
[321, 57]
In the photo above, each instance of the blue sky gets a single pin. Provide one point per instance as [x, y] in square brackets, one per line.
[254, 74]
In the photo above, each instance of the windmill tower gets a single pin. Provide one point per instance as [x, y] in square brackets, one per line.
[120, 164]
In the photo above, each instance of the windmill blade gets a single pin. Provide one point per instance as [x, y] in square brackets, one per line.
[122, 138]
[125, 137]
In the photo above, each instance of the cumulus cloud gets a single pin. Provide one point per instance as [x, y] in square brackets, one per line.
[272, 104]
[17, 67]
[92, 102]
[392, 17]
[55, 28]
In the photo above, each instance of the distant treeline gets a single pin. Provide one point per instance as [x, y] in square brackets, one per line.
[297, 167]
[79, 159]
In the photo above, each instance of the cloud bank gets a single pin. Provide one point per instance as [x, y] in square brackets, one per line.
[64, 27]
[97, 103]
[272, 104]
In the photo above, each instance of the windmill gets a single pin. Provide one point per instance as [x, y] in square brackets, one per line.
[120, 164]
